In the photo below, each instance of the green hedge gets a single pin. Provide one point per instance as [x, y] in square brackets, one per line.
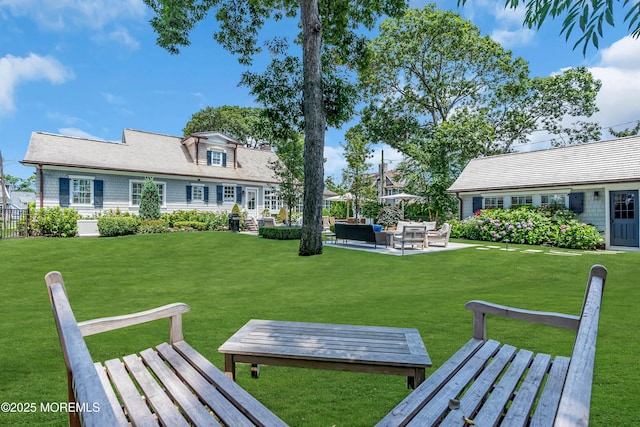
[528, 225]
[190, 225]
[53, 222]
[280, 233]
[153, 226]
[110, 226]
[212, 220]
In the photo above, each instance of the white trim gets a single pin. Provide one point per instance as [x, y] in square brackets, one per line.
[92, 178]
[163, 201]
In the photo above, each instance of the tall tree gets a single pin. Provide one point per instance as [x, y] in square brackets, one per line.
[329, 42]
[589, 15]
[289, 169]
[243, 123]
[357, 150]
[442, 95]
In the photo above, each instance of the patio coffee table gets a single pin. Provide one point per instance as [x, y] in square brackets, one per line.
[372, 349]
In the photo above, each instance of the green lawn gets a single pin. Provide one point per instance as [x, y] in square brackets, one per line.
[230, 278]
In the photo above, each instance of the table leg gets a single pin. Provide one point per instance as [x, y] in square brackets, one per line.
[419, 377]
[230, 366]
[255, 371]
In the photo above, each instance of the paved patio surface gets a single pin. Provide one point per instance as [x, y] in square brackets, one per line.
[381, 249]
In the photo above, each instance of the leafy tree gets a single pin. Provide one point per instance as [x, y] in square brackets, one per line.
[149, 200]
[289, 169]
[21, 184]
[243, 123]
[329, 44]
[357, 149]
[442, 95]
[589, 15]
[626, 132]
[331, 185]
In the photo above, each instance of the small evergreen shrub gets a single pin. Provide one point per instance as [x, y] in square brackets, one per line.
[153, 226]
[149, 200]
[111, 226]
[280, 233]
[282, 215]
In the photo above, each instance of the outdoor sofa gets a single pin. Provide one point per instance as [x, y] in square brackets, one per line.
[360, 232]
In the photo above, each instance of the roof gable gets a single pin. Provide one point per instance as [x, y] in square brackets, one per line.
[616, 160]
[142, 152]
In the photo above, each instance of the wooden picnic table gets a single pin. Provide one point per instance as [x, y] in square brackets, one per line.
[370, 349]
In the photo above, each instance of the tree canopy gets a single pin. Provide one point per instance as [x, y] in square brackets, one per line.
[590, 16]
[442, 95]
[243, 123]
[330, 44]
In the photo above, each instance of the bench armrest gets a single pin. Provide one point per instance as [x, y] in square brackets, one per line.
[104, 324]
[481, 309]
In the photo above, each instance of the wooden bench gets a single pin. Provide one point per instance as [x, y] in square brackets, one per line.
[171, 384]
[487, 383]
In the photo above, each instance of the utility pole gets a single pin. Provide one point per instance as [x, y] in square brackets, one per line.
[4, 191]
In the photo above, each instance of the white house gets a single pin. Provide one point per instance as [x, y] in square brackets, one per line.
[206, 171]
[599, 181]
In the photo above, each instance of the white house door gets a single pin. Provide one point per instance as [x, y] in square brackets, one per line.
[624, 218]
[252, 202]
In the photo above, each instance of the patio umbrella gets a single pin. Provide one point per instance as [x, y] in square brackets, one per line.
[346, 197]
[402, 197]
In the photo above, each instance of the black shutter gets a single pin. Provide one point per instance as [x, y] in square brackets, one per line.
[209, 157]
[219, 194]
[238, 194]
[576, 202]
[206, 194]
[477, 204]
[98, 193]
[189, 193]
[64, 192]
[224, 160]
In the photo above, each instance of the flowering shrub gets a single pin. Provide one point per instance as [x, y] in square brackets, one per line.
[530, 226]
[389, 216]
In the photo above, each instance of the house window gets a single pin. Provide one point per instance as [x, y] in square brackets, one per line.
[521, 200]
[272, 200]
[81, 191]
[217, 158]
[197, 194]
[493, 202]
[554, 199]
[229, 194]
[135, 192]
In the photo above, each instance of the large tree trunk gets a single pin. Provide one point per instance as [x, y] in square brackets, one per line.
[315, 124]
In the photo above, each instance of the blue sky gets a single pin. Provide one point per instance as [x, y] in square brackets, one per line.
[91, 68]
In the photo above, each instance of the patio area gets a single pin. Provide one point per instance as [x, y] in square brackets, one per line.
[381, 249]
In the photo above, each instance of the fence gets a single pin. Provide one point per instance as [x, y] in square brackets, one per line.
[13, 222]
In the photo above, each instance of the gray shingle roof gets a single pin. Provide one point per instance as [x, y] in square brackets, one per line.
[143, 152]
[616, 160]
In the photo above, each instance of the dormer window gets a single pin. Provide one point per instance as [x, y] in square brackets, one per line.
[217, 158]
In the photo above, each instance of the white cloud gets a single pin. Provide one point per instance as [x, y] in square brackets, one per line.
[18, 70]
[335, 161]
[509, 38]
[619, 72]
[67, 14]
[79, 133]
[113, 99]
[121, 35]
[95, 15]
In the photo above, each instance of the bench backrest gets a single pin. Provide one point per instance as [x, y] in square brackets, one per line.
[363, 232]
[86, 394]
[575, 401]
